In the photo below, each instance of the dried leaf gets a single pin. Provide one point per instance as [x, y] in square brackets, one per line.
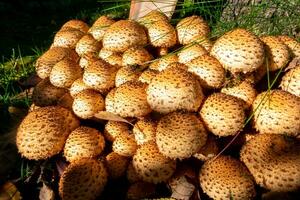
[294, 63]
[46, 193]
[31, 81]
[8, 191]
[61, 166]
[181, 188]
[110, 116]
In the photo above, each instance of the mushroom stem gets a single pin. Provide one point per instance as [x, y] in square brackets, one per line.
[162, 51]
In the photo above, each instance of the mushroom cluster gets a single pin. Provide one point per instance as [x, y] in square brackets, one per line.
[170, 96]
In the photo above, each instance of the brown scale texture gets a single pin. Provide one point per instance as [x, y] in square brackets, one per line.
[147, 76]
[276, 51]
[141, 190]
[43, 132]
[131, 174]
[162, 63]
[110, 101]
[131, 100]
[124, 145]
[136, 56]
[64, 73]
[84, 179]
[209, 71]
[113, 129]
[77, 86]
[180, 135]
[144, 131]
[226, 178]
[223, 114]
[87, 103]
[239, 51]
[87, 60]
[177, 65]
[290, 82]
[46, 94]
[116, 165]
[151, 165]
[67, 38]
[126, 74]
[84, 142]
[124, 34]
[76, 24]
[174, 89]
[274, 161]
[45, 63]
[277, 112]
[292, 44]
[153, 17]
[100, 75]
[87, 44]
[191, 28]
[100, 26]
[190, 52]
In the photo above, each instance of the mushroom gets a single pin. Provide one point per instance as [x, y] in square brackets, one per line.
[226, 178]
[292, 44]
[162, 63]
[223, 114]
[105, 53]
[209, 150]
[274, 161]
[87, 45]
[115, 60]
[152, 17]
[136, 56]
[110, 101]
[141, 190]
[83, 142]
[83, 179]
[77, 86]
[75, 24]
[147, 75]
[100, 26]
[124, 145]
[144, 131]
[290, 82]
[126, 74]
[131, 174]
[277, 112]
[190, 52]
[113, 129]
[87, 60]
[67, 38]
[116, 165]
[180, 135]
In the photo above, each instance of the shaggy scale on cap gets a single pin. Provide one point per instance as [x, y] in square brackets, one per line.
[84, 179]
[76, 24]
[87, 44]
[77, 86]
[180, 135]
[292, 44]
[190, 52]
[223, 114]
[126, 74]
[148, 75]
[125, 145]
[144, 131]
[113, 129]
[290, 82]
[100, 26]
[226, 178]
[136, 56]
[116, 165]
[110, 101]
[67, 38]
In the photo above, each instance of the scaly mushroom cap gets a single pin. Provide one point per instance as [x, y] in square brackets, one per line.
[209, 71]
[277, 112]
[87, 103]
[76, 24]
[206, 43]
[77, 86]
[151, 165]
[100, 26]
[87, 60]
[115, 60]
[113, 129]
[131, 100]
[239, 51]
[191, 28]
[174, 89]
[43, 132]
[45, 63]
[223, 114]
[126, 74]
[136, 56]
[274, 161]
[209, 150]
[67, 38]
[190, 52]
[83, 142]
[177, 65]
[290, 82]
[147, 75]
[64, 73]
[105, 53]
[226, 178]
[141, 190]
[144, 131]
[87, 44]
[131, 174]
[110, 101]
[180, 135]
[244, 91]
[124, 34]
[116, 165]
[66, 101]
[276, 51]
[84, 179]
[46, 94]
[162, 63]
[124, 145]
[100, 76]
[292, 44]
[153, 17]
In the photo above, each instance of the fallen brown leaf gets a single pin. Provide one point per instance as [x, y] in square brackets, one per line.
[46, 193]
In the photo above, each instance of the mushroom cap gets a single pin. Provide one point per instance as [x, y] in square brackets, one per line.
[223, 114]
[100, 26]
[151, 165]
[292, 44]
[144, 131]
[83, 179]
[87, 60]
[87, 44]
[114, 128]
[277, 112]
[180, 135]
[209, 150]
[147, 75]
[43, 132]
[66, 101]
[76, 24]
[206, 43]
[226, 178]
[105, 53]
[46, 94]
[64, 73]
[45, 63]
[131, 174]
[116, 165]
[276, 51]
[136, 56]
[77, 86]
[190, 52]
[67, 38]
[124, 145]
[110, 101]
[100, 76]
[191, 28]
[152, 17]
[274, 161]
[83, 142]
[115, 60]
[239, 51]
[87, 103]
[244, 91]
[131, 100]
[124, 34]
[126, 74]
[210, 72]
[162, 63]
[290, 82]
[141, 190]
[174, 89]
